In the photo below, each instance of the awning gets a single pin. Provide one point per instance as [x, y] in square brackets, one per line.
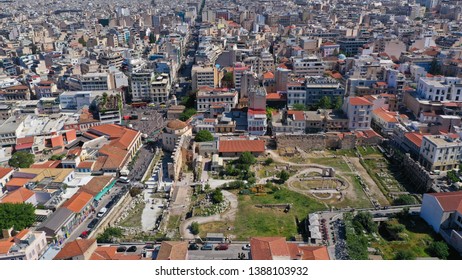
[105, 190]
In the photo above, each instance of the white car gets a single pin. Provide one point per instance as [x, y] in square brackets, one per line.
[246, 247]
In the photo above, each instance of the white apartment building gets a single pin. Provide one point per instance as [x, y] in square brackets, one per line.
[90, 82]
[440, 88]
[359, 113]
[440, 152]
[308, 66]
[207, 97]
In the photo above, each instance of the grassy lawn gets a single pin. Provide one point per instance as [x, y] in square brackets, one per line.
[134, 218]
[348, 153]
[174, 222]
[337, 163]
[417, 236]
[253, 221]
[213, 227]
[369, 151]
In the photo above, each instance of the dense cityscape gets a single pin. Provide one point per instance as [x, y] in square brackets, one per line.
[230, 130]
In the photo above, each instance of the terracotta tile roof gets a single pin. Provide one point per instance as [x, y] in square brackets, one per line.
[20, 195]
[314, 253]
[5, 171]
[18, 182]
[86, 164]
[274, 96]
[358, 101]
[97, 184]
[110, 253]
[173, 250]
[57, 141]
[25, 140]
[269, 248]
[78, 201]
[381, 84]
[449, 201]
[21, 234]
[6, 244]
[385, 115]
[268, 75]
[297, 115]
[176, 124]
[46, 164]
[238, 146]
[124, 135]
[368, 133]
[115, 156]
[74, 248]
[415, 138]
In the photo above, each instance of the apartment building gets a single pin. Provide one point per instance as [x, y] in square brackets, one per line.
[440, 88]
[359, 113]
[308, 66]
[440, 152]
[208, 76]
[312, 90]
[207, 97]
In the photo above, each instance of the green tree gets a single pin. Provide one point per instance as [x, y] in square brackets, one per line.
[404, 199]
[189, 101]
[269, 161]
[452, 176]
[404, 255]
[204, 136]
[195, 228]
[187, 113]
[338, 103]
[283, 176]
[246, 158]
[439, 249]
[109, 235]
[82, 41]
[299, 107]
[325, 103]
[21, 160]
[16, 215]
[217, 196]
[364, 220]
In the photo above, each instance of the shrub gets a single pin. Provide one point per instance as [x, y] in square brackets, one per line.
[195, 228]
[269, 161]
[135, 191]
[439, 249]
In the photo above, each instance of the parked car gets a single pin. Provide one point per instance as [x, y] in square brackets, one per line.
[207, 246]
[93, 223]
[102, 212]
[246, 247]
[193, 246]
[85, 234]
[132, 249]
[222, 247]
[124, 180]
[121, 249]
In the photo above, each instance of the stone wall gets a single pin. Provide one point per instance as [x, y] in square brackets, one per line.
[305, 142]
[310, 142]
[416, 173]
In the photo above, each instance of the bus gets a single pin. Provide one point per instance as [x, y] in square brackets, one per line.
[139, 104]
